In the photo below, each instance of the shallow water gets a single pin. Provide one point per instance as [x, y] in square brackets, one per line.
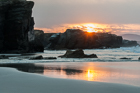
[104, 55]
[110, 72]
[124, 73]
[108, 67]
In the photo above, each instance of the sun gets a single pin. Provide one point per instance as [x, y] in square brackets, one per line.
[90, 28]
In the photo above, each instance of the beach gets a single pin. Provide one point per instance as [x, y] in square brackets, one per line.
[14, 81]
[69, 46]
[105, 74]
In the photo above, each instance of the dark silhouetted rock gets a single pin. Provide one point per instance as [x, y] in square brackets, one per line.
[36, 57]
[49, 58]
[139, 58]
[53, 41]
[16, 26]
[78, 39]
[77, 54]
[47, 38]
[127, 43]
[37, 44]
[3, 57]
[125, 58]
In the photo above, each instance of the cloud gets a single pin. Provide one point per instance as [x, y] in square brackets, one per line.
[112, 28]
[54, 13]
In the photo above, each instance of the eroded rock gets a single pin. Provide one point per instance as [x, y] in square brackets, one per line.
[125, 58]
[16, 26]
[49, 58]
[77, 54]
[78, 39]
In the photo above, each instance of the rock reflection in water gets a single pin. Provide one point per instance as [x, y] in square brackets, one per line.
[62, 72]
[66, 72]
[31, 68]
[126, 73]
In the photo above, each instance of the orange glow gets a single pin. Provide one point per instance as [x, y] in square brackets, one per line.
[90, 75]
[94, 27]
[90, 28]
[101, 72]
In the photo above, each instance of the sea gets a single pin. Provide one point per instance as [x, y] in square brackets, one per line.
[109, 67]
[104, 55]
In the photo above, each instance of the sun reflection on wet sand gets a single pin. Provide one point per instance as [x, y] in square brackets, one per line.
[126, 73]
[90, 75]
[110, 72]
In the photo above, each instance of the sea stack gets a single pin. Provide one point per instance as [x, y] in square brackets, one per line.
[16, 26]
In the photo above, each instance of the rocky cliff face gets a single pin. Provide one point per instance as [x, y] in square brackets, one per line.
[16, 25]
[38, 43]
[75, 39]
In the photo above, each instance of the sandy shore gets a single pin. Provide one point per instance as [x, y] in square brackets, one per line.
[13, 81]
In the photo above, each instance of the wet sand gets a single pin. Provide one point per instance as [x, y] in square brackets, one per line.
[14, 81]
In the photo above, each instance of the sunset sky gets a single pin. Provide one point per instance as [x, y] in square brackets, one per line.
[115, 16]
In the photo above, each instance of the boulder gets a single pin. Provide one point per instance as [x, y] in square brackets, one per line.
[77, 54]
[49, 58]
[125, 58]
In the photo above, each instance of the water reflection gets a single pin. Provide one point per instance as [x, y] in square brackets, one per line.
[126, 73]
[31, 68]
[90, 75]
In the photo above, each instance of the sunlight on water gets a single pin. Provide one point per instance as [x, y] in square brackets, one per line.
[125, 73]
[90, 75]
[110, 72]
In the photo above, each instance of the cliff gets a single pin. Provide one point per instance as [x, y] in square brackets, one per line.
[16, 26]
[38, 43]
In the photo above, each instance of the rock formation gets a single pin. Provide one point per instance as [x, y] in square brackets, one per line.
[128, 43]
[78, 39]
[47, 38]
[77, 54]
[125, 58]
[16, 26]
[3, 57]
[38, 43]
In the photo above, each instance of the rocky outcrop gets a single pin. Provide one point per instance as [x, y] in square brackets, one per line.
[128, 43]
[16, 26]
[77, 54]
[49, 58]
[47, 38]
[3, 57]
[125, 58]
[78, 39]
[37, 44]
[139, 58]
[39, 57]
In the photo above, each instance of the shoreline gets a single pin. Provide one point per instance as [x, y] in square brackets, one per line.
[14, 81]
